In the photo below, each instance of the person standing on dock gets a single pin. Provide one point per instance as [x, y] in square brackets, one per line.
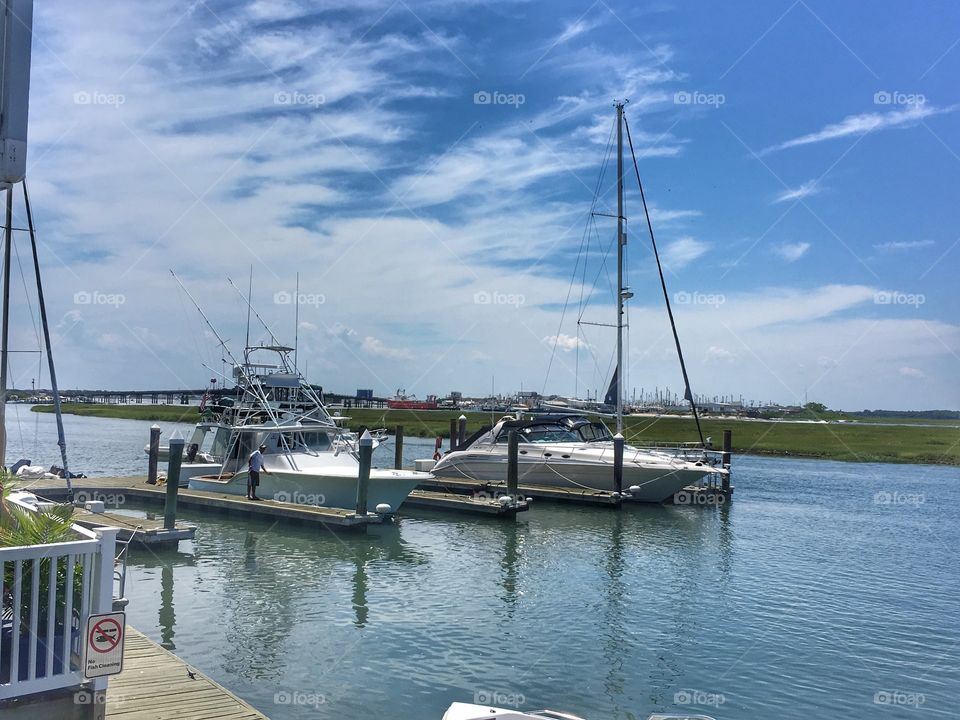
[256, 466]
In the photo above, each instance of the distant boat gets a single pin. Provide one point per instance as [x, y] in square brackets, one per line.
[400, 401]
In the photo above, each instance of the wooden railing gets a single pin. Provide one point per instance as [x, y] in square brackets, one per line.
[48, 592]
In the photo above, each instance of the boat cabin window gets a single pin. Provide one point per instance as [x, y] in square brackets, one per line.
[594, 432]
[313, 440]
[542, 434]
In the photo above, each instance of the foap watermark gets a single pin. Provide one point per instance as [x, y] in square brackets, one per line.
[885, 497]
[895, 97]
[288, 298]
[296, 97]
[96, 97]
[95, 297]
[484, 97]
[498, 698]
[484, 297]
[685, 497]
[108, 499]
[698, 298]
[691, 696]
[895, 297]
[696, 97]
[299, 697]
[899, 698]
[299, 498]
[91, 697]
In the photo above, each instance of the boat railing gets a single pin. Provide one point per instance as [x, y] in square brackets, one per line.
[41, 643]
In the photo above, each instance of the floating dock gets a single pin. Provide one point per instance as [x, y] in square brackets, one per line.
[157, 685]
[481, 504]
[115, 491]
[475, 489]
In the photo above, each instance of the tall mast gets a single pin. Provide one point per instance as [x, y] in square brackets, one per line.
[7, 242]
[620, 243]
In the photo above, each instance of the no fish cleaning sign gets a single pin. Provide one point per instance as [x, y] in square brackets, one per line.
[103, 646]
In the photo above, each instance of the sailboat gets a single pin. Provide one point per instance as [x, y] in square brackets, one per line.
[571, 451]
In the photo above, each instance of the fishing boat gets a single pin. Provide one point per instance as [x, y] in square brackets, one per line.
[571, 451]
[402, 401]
[310, 458]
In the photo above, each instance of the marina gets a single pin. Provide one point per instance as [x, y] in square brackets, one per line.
[496, 525]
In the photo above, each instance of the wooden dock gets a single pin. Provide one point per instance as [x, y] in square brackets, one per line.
[118, 490]
[488, 504]
[157, 685]
[474, 488]
[142, 531]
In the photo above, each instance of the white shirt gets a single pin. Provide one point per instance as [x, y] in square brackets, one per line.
[256, 461]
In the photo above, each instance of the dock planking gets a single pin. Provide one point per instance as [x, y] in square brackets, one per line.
[541, 492]
[458, 502]
[137, 488]
[157, 685]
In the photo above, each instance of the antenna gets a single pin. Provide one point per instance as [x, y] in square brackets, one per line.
[249, 295]
[296, 319]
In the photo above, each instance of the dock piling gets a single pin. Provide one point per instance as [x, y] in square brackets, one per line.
[461, 431]
[454, 431]
[725, 458]
[173, 481]
[363, 480]
[398, 448]
[154, 454]
[513, 468]
[618, 463]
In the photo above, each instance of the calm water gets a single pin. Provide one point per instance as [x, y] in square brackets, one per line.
[824, 590]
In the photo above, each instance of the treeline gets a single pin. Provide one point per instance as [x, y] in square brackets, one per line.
[920, 414]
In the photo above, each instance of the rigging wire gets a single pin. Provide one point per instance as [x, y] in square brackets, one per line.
[663, 284]
[584, 238]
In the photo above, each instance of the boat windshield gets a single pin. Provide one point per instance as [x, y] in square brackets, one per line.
[594, 432]
[547, 434]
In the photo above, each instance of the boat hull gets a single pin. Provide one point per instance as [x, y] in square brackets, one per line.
[336, 488]
[653, 482]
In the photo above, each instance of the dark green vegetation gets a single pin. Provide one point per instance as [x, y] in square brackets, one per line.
[834, 441]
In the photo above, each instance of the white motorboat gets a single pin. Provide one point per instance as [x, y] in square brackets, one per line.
[468, 711]
[574, 452]
[310, 458]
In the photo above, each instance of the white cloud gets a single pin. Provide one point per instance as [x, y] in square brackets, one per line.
[791, 252]
[903, 245]
[719, 355]
[683, 251]
[375, 346]
[912, 372]
[563, 342]
[864, 123]
[806, 190]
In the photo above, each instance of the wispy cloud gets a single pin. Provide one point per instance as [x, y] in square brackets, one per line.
[683, 251]
[791, 252]
[575, 29]
[903, 245]
[806, 190]
[864, 123]
[912, 372]
[564, 342]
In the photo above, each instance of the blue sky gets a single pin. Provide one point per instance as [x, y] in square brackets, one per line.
[801, 160]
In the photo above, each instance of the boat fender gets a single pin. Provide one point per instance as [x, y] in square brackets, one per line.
[383, 508]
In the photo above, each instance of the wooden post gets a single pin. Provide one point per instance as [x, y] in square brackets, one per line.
[513, 468]
[618, 463]
[462, 431]
[173, 481]
[725, 458]
[154, 455]
[453, 434]
[363, 479]
[398, 448]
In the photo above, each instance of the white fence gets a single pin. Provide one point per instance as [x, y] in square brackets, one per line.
[48, 592]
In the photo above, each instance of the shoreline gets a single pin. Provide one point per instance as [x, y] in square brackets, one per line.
[847, 442]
